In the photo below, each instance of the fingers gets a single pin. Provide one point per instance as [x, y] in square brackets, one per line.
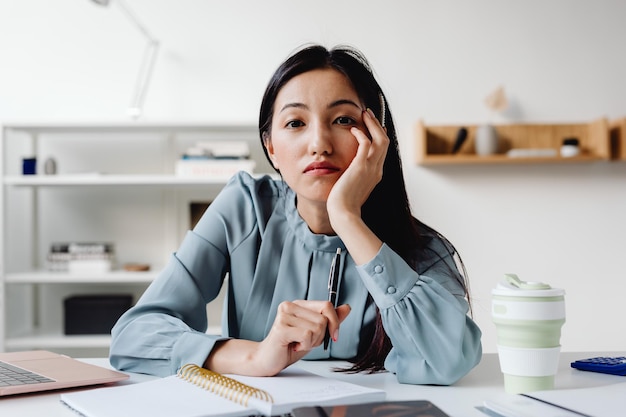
[302, 324]
[334, 317]
[378, 133]
[342, 312]
[374, 148]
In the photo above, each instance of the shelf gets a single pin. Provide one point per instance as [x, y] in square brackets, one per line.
[434, 143]
[101, 179]
[114, 277]
[57, 341]
[102, 193]
[502, 159]
[127, 126]
[98, 179]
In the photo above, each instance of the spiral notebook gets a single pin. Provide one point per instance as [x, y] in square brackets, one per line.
[197, 392]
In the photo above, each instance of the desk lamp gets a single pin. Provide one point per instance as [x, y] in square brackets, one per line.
[147, 62]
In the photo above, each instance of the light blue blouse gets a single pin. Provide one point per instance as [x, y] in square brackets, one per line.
[253, 232]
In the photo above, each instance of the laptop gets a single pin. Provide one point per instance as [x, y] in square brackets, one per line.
[40, 370]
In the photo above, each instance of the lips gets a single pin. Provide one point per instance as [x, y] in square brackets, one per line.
[320, 168]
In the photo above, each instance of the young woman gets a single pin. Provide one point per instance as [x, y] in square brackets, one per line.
[326, 128]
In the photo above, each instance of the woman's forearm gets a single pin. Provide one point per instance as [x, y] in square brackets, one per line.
[233, 356]
[361, 242]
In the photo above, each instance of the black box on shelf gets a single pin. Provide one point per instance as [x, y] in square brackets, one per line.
[94, 314]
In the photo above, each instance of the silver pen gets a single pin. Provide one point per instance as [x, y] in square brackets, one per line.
[333, 282]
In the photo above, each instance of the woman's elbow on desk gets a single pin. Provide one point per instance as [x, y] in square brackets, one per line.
[443, 374]
[438, 369]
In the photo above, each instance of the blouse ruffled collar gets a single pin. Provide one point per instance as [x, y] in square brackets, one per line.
[301, 229]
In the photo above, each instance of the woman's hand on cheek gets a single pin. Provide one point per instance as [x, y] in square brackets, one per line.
[366, 170]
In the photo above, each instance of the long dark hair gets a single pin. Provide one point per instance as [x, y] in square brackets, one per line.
[387, 211]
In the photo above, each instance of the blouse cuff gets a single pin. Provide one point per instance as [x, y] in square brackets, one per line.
[193, 348]
[385, 277]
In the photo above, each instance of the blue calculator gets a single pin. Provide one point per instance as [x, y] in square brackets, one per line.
[615, 365]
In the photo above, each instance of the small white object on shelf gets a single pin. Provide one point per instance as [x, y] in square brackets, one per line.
[486, 141]
[570, 148]
[531, 153]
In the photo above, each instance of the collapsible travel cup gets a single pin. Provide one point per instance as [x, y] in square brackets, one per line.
[528, 318]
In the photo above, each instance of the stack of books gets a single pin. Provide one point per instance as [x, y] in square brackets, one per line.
[215, 159]
[81, 257]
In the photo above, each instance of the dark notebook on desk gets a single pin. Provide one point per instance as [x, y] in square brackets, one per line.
[418, 408]
[40, 370]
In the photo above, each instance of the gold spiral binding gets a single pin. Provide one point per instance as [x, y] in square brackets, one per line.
[222, 385]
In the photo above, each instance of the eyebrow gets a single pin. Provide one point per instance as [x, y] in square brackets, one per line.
[331, 105]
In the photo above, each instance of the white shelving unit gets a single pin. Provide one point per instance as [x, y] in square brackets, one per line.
[115, 183]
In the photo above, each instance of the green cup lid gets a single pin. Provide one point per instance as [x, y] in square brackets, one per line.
[525, 285]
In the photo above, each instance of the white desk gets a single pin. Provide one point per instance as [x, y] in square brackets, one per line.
[458, 400]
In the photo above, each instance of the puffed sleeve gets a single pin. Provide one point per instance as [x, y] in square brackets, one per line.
[166, 328]
[425, 316]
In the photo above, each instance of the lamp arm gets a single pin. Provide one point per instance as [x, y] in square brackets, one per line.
[135, 20]
[147, 62]
[143, 79]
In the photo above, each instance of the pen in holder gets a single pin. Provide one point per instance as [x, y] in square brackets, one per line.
[333, 281]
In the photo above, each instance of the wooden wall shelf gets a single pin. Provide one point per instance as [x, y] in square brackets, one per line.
[434, 143]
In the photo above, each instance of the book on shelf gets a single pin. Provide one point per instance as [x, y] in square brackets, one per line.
[198, 392]
[81, 257]
[89, 266]
[212, 167]
[215, 159]
[82, 247]
[231, 149]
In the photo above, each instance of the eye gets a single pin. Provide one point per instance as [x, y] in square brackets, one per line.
[345, 121]
[292, 124]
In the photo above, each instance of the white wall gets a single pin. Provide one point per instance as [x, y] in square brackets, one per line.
[560, 61]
